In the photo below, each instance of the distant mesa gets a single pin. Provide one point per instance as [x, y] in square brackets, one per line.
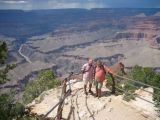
[157, 14]
[141, 15]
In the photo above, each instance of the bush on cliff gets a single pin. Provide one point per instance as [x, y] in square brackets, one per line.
[6, 68]
[145, 75]
[9, 109]
[44, 81]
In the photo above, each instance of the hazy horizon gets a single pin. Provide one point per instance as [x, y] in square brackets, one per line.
[84, 4]
[82, 8]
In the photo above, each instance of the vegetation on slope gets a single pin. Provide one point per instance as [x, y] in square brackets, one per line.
[145, 75]
[3, 57]
[3, 52]
[9, 107]
[44, 81]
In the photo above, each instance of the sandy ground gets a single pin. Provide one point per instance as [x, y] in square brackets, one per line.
[118, 111]
[81, 107]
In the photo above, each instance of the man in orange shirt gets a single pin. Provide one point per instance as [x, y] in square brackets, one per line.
[100, 73]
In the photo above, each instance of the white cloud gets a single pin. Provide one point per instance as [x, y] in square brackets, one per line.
[69, 5]
[88, 4]
[14, 2]
[94, 5]
[58, 5]
[51, 4]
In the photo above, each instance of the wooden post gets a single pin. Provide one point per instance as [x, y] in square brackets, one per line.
[59, 110]
[63, 95]
[64, 86]
[113, 85]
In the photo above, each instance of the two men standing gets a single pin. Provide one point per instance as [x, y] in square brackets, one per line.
[97, 73]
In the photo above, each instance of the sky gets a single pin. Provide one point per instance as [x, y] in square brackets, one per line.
[87, 4]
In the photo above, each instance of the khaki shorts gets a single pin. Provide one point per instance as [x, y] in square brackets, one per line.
[98, 84]
[86, 81]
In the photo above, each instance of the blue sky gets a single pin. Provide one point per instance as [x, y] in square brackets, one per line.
[88, 4]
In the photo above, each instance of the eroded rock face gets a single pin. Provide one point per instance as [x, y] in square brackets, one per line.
[158, 40]
[132, 35]
[21, 75]
[157, 14]
[141, 30]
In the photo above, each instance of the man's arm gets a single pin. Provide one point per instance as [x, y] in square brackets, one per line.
[83, 69]
[122, 68]
[108, 70]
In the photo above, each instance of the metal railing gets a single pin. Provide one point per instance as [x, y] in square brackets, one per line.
[141, 83]
[65, 93]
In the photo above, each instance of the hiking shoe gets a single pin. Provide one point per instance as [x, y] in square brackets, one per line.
[99, 97]
[113, 92]
[90, 91]
[85, 93]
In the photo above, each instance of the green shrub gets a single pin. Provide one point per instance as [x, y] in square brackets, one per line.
[3, 73]
[145, 75]
[109, 82]
[9, 109]
[3, 52]
[129, 91]
[45, 80]
[148, 76]
[3, 57]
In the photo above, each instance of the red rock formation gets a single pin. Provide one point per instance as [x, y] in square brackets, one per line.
[144, 29]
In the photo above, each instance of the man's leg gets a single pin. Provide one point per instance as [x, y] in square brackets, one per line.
[100, 84]
[90, 87]
[85, 86]
[99, 93]
[96, 84]
[96, 92]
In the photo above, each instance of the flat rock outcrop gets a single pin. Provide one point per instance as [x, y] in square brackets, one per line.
[81, 107]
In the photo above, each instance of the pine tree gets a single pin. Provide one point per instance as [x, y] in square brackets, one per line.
[3, 57]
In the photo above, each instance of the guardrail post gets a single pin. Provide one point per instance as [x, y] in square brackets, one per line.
[59, 110]
[113, 84]
[59, 115]
[63, 94]
[64, 86]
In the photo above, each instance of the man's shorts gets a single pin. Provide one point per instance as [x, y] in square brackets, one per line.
[98, 84]
[86, 81]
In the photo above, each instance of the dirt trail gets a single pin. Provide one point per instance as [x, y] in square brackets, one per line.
[25, 57]
[81, 107]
